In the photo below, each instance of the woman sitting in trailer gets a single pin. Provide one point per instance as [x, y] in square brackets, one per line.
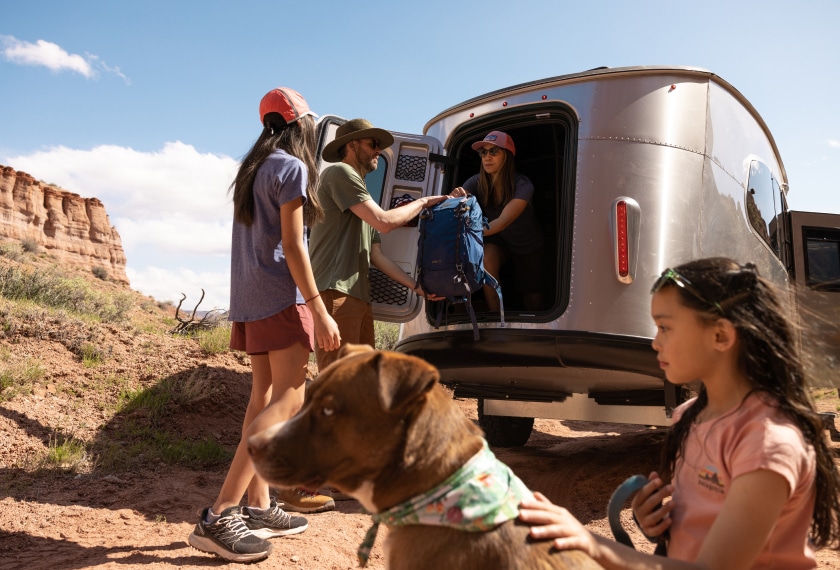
[514, 233]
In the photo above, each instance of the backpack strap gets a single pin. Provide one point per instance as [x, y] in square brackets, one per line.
[476, 334]
[494, 283]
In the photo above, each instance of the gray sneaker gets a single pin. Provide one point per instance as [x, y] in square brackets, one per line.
[229, 537]
[273, 521]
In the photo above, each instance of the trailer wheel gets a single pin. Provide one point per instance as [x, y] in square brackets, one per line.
[504, 431]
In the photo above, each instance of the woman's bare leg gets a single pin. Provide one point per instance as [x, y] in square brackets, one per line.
[276, 395]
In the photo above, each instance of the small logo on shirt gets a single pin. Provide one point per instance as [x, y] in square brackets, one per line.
[708, 477]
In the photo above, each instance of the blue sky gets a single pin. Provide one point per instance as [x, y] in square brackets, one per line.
[148, 106]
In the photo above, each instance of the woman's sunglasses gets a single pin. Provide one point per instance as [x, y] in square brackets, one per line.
[492, 151]
[672, 276]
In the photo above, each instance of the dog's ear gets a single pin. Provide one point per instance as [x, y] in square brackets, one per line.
[403, 378]
[349, 349]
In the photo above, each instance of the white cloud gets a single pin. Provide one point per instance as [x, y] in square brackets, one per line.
[177, 234]
[177, 182]
[170, 285]
[53, 57]
[834, 143]
[171, 208]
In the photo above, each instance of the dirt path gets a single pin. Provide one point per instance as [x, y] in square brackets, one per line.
[143, 519]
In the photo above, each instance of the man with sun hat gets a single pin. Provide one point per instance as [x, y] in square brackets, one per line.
[347, 241]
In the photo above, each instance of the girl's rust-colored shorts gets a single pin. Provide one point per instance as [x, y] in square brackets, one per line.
[291, 325]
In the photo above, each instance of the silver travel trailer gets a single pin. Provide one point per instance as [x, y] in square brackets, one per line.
[635, 169]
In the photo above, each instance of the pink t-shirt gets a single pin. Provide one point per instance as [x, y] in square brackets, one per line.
[754, 436]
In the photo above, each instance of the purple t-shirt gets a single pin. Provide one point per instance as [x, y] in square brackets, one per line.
[261, 284]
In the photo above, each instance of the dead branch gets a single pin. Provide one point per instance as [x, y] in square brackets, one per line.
[190, 325]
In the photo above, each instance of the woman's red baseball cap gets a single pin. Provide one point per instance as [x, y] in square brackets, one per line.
[497, 138]
[287, 102]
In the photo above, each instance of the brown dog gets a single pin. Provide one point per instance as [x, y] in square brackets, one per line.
[377, 426]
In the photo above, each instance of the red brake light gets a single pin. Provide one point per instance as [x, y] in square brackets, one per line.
[621, 238]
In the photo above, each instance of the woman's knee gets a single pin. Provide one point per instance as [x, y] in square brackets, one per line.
[494, 257]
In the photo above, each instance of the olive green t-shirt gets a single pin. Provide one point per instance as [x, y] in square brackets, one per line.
[339, 245]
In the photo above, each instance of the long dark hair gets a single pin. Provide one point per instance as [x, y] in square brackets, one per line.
[495, 191]
[297, 139]
[770, 358]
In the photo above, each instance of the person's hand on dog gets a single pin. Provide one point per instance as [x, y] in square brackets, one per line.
[550, 521]
[652, 513]
[458, 193]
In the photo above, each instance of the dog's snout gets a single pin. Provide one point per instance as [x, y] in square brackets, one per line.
[256, 446]
[259, 443]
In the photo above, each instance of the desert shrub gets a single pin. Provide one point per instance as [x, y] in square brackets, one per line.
[48, 287]
[386, 335]
[92, 355]
[19, 377]
[29, 245]
[215, 340]
[65, 452]
[100, 272]
[11, 250]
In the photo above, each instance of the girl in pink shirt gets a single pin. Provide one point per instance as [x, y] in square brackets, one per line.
[748, 480]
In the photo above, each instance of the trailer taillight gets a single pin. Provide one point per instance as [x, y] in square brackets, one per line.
[621, 238]
[625, 225]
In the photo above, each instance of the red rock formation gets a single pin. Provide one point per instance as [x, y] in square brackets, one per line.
[76, 230]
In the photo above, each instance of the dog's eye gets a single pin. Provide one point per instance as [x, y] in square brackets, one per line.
[327, 411]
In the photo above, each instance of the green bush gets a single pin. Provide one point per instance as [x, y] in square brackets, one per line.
[386, 335]
[18, 378]
[11, 251]
[215, 340]
[100, 272]
[48, 287]
[29, 245]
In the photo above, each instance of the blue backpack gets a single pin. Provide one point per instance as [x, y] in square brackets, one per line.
[450, 254]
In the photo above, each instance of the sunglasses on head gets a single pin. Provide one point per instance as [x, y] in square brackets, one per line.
[672, 276]
[492, 151]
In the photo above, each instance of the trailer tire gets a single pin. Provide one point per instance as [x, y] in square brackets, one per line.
[504, 431]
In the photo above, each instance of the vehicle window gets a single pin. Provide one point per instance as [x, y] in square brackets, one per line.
[778, 233]
[375, 180]
[822, 264]
[761, 210]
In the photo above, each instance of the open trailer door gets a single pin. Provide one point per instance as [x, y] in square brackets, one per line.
[816, 263]
[407, 170]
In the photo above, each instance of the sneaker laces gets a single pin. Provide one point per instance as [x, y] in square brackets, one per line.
[234, 528]
[276, 517]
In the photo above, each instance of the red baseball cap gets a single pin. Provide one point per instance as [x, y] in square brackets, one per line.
[287, 102]
[497, 138]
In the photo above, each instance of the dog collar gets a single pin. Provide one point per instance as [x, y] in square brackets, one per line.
[478, 497]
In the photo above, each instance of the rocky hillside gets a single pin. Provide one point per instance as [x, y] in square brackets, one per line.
[75, 230]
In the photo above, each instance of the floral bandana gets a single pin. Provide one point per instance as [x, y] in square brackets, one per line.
[480, 496]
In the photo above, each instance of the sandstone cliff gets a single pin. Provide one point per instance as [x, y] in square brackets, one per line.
[75, 230]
